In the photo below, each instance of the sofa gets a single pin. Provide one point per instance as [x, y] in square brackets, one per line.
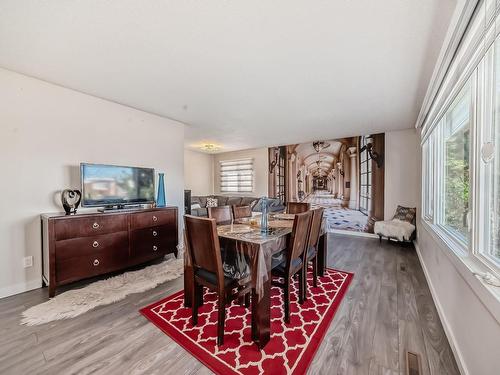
[274, 205]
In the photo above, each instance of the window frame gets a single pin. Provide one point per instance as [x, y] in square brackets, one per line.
[364, 158]
[489, 102]
[434, 194]
[481, 116]
[428, 183]
[439, 178]
[480, 31]
[280, 176]
[223, 188]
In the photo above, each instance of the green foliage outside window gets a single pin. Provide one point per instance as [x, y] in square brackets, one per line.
[457, 182]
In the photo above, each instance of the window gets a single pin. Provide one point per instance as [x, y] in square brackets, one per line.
[428, 181]
[461, 151]
[489, 167]
[236, 176]
[493, 249]
[446, 175]
[365, 194]
[454, 181]
[280, 175]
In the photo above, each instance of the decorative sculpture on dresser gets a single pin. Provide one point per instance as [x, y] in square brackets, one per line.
[70, 200]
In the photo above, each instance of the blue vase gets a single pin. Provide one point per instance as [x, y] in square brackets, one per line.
[160, 201]
[263, 218]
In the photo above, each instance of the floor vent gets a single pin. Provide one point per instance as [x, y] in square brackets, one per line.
[412, 364]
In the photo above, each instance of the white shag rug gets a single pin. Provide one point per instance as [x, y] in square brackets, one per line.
[78, 301]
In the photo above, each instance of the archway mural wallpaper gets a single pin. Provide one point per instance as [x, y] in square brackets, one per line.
[345, 176]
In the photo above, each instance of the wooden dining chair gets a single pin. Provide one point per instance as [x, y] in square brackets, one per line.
[240, 212]
[297, 207]
[294, 260]
[312, 247]
[204, 251]
[221, 214]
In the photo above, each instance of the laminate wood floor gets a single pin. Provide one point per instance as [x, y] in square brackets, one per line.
[387, 310]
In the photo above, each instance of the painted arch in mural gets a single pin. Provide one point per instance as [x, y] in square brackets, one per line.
[340, 175]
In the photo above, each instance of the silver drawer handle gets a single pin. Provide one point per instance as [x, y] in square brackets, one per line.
[155, 233]
[95, 225]
[155, 218]
[96, 262]
[95, 244]
[155, 248]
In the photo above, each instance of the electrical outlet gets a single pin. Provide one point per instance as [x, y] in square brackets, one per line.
[28, 262]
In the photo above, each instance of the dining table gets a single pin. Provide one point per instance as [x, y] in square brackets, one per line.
[255, 246]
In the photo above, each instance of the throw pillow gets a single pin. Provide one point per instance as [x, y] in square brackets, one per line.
[273, 202]
[211, 202]
[195, 206]
[405, 214]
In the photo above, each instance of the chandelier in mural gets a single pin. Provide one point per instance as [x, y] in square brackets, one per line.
[318, 173]
[320, 145]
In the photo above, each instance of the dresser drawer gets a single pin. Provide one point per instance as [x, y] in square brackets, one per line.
[92, 245]
[149, 234]
[166, 246]
[77, 268]
[153, 218]
[151, 242]
[147, 251]
[90, 226]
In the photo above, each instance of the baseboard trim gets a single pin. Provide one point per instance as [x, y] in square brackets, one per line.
[446, 326]
[20, 288]
[353, 233]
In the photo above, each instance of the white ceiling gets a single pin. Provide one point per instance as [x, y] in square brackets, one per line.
[240, 73]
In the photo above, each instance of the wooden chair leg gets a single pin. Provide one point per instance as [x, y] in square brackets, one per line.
[200, 296]
[305, 282]
[286, 299]
[221, 320]
[247, 300]
[301, 286]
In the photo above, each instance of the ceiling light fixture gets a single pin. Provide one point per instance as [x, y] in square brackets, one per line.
[209, 147]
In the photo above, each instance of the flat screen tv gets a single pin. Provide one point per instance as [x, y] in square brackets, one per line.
[112, 185]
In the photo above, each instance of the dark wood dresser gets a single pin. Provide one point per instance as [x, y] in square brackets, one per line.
[75, 247]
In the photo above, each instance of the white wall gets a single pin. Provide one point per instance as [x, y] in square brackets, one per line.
[198, 172]
[401, 183]
[472, 329]
[45, 132]
[261, 160]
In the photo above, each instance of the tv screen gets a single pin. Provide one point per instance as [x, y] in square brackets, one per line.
[111, 185]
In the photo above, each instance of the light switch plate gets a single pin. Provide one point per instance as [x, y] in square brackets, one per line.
[28, 262]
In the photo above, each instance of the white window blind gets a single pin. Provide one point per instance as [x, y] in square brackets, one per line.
[236, 176]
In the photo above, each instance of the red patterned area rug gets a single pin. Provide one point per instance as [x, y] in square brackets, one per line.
[292, 346]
